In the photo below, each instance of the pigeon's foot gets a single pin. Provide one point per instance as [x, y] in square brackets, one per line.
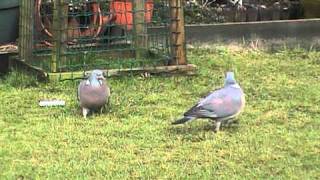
[230, 122]
[217, 126]
[85, 112]
[145, 75]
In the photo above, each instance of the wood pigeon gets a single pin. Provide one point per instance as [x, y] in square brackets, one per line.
[93, 93]
[220, 105]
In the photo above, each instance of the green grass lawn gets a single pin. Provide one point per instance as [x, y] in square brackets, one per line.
[278, 135]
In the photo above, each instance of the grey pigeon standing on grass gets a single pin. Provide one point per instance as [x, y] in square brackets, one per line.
[93, 93]
[220, 105]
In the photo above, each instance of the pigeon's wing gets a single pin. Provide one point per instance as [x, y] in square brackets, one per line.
[218, 104]
[80, 87]
[206, 94]
[204, 107]
[108, 90]
[78, 91]
[200, 112]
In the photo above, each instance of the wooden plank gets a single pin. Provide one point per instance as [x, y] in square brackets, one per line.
[8, 49]
[177, 32]
[9, 52]
[188, 69]
[116, 54]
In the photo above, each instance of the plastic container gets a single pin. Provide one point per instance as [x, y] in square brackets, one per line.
[123, 11]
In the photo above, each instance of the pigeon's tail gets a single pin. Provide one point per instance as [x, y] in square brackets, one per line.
[183, 120]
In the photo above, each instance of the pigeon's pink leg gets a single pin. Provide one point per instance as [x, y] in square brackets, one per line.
[85, 112]
[218, 124]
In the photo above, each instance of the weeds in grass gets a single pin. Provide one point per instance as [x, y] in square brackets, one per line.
[19, 79]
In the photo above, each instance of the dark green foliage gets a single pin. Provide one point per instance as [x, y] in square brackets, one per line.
[218, 11]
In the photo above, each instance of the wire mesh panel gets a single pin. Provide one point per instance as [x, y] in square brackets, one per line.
[80, 35]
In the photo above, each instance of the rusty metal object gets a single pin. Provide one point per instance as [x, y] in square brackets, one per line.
[97, 19]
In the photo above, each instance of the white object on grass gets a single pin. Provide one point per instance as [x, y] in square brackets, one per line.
[46, 103]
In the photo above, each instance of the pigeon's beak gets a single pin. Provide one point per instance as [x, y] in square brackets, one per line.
[101, 77]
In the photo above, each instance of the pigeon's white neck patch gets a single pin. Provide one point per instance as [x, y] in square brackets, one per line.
[235, 86]
[87, 82]
[94, 82]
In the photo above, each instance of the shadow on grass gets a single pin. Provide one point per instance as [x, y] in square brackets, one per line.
[198, 128]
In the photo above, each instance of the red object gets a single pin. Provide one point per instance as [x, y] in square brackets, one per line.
[123, 12]
[120, 14]
[97, 20]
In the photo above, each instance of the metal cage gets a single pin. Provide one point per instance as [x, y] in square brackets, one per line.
[65, 38]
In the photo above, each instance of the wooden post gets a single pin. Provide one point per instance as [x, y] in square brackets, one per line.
[55, 36]
[21, 27]
[60, 19]
[64, 32]
[26, 22]
[139, 28]
[178, 48]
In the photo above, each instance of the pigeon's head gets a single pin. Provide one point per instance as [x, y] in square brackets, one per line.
[96, 77]
[230, 80]
[97, 74]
